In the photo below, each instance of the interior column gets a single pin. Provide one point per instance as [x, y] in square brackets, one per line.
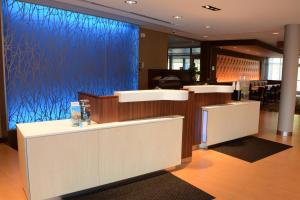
[289, 80]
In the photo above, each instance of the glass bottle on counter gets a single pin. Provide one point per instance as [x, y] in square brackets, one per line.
[85, 112]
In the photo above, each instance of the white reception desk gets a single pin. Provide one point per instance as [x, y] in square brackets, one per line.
[57, 159]
[209, 88]
[152, 95]
[230, 121]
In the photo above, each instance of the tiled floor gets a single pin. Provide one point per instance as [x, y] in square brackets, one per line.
[225, 177]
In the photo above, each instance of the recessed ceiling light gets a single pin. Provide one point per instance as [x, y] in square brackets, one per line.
[207, 26]
[205, 36]
[275, 33]
[212, 8]
[177, 17]
[130, 2]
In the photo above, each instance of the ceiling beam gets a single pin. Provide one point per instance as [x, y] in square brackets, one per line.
[246, 42]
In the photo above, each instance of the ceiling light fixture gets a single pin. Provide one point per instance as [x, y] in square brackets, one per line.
[207, 27]
[212, 8]
[205, 36]
[275, 33]
[130, 2]
[177, 17]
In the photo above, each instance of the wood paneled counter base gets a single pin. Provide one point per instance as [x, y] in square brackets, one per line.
[129, 106]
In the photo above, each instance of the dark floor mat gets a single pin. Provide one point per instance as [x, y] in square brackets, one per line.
[161, 187]
[251, 148]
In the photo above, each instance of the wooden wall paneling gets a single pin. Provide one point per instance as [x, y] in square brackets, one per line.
[108, 109]
[140, 110]
[188, 127]
[103, 109]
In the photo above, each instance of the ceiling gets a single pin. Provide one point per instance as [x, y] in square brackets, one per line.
[177, 42]
[255, 19]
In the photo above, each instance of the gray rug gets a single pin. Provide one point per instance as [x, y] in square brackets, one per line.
[161, 187]
[250, 148]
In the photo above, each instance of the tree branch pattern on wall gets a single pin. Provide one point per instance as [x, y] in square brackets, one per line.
[51, 54]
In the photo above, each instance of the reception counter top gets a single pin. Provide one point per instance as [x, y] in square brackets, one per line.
[209, 88]
[152, 95]
[56, 127]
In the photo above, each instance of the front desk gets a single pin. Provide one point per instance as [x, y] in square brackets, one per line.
[222, 123]
[134, 133]
[57, 159]
[141, 104]
[206, 95]
[131, 105]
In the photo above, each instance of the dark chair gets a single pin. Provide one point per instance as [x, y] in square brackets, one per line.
[258, 95]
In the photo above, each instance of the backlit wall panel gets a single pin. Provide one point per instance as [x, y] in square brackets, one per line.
[51, 54]
[232, 68]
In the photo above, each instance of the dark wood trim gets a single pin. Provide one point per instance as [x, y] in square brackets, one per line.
[3, 111]
[231, 42]
[269, 47]
[226, 52]
[208, 60]
[185, 47]
[250, 42]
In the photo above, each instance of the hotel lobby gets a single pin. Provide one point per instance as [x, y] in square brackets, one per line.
[152, 100]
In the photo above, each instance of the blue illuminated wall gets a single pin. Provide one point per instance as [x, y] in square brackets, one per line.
[51, 54]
